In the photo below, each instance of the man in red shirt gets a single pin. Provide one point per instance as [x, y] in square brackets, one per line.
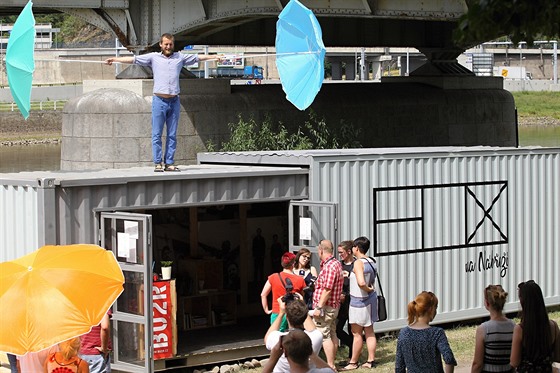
[96, 345]
[326, 298]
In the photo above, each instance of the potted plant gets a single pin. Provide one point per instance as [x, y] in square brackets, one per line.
[166, 269]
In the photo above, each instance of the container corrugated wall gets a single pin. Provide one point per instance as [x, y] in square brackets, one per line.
[454, 224]
[75, 204]
[40, 208]
[18, 206]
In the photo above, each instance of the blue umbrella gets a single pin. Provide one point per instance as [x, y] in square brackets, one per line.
[300, 54]
[19, 59]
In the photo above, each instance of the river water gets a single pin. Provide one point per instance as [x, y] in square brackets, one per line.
[41, 157]
[46, 157]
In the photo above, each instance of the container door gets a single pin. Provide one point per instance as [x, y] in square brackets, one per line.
[129, 236]
[310, 222]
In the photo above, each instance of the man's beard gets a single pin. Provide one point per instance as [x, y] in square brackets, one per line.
[167, 53]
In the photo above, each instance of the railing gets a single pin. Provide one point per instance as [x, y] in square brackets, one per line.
[35, 105]
[46, 84]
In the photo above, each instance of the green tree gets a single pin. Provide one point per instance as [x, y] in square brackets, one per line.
[313, 134]
[521, 20]
[69, 25]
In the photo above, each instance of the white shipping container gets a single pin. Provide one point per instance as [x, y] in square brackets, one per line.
[448, 220]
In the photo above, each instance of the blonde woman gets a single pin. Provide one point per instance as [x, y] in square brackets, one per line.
[493, 337]
[66, 360]
[421, 346]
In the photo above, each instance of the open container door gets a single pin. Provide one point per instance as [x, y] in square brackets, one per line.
[310, 222]
[129, 237]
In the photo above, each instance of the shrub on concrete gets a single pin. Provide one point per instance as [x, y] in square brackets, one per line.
[313, 134]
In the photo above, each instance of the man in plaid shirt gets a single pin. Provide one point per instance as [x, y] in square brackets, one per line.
[326, 298]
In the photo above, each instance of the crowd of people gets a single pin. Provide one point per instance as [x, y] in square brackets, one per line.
[310, 310]
[343, 311]
[319, 303]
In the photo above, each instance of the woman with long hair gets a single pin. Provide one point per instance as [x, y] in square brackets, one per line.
[67, 359]
[493, 337]
[304, 269]
[420, 346]
[536, 341]
[362, 312]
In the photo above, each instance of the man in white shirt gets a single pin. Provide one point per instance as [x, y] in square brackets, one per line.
[297, 315]
[166, 67]
[296, 347]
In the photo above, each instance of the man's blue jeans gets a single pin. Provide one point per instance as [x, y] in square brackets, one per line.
[13, 363]
[98, 363]
[165, 111]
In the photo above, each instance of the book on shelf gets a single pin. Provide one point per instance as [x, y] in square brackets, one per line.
[199, 321]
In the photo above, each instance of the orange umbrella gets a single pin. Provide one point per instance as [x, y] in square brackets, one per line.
[55, 293]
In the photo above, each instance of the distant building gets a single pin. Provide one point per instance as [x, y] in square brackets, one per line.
[44, 35]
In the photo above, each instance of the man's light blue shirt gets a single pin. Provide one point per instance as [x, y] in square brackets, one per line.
[166, 70]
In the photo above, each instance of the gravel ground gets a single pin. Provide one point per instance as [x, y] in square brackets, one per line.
[538, 121]
[30, 141]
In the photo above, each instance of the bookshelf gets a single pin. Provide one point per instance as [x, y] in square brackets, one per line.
[213, 309]
[204, 275]
[206, 303]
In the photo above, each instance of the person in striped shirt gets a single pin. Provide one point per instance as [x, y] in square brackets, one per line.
[493, 337]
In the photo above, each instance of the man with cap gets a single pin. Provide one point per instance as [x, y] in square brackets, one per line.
[281, 283]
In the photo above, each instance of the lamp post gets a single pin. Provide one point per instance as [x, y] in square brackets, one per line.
[555, 61]
[206, 67]
[1, 54]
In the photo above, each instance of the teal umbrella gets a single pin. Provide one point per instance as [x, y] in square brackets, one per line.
[300, 55]
[19, 59]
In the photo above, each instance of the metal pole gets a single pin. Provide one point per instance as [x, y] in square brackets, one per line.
[555, 61]
[362, 64]
[206, 69]
[117, 53]
[407, 62]
[521, 67]
[355, 65]
[1, 53]
[520, 61]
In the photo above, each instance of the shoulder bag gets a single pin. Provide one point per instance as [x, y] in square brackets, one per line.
[381, 305]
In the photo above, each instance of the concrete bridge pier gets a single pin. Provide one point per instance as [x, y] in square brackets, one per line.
[375, 63]
[109, 126]
[336, 69]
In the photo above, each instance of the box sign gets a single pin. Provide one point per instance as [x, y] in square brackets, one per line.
[163, 332]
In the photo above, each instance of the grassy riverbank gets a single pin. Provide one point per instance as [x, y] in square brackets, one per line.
[538, 105]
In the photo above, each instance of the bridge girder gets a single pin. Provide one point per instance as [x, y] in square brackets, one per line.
[138, 24]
